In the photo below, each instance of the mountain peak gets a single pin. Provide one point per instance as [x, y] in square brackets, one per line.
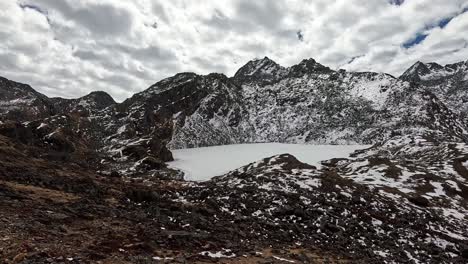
[260, 70]
[264, 59]
[309, 66]
[413, 71]
[430, 71]
[99, 99]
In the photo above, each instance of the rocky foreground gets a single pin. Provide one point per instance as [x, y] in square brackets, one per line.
[377, 206]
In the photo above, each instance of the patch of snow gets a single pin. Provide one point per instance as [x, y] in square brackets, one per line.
[307, 184]
[393, 196]
[176, 115]
[372, 90]
[465, 164]
[121, 129]
[438, 190]
[41, 126]
[381, 253]
[84, 103]
[442, 243]
[454, 185]
[159, 258]
[219, 254]
[415, 260]
[15, 102]
[458, 213]
[201, 164]
[376, 222]
[283, 259]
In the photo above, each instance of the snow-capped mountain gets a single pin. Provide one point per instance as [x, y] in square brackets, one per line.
[447, 82]
[433, 72]
[402, 200]
[306, 103]
[263, 102]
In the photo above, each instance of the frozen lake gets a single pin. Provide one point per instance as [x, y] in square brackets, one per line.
[201, 164]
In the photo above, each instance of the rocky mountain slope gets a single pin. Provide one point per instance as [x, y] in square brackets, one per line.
[20, 101]
[97, 169]
[447, 82]
[306, 103]
[263, 102]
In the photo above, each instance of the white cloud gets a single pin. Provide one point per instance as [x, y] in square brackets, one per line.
[72, 47]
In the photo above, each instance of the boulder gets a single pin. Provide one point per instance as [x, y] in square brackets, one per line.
[17, 131]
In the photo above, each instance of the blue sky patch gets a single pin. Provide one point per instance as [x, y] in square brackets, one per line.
[442, 23]
[420, 37]
[397, 2]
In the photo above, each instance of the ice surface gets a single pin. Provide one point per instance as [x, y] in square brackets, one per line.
[201, 164]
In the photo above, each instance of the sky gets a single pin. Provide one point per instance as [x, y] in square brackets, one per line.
[69, 48]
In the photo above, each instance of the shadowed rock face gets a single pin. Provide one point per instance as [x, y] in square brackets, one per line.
[90, 172]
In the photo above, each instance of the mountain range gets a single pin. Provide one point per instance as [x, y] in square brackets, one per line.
[263, 102]
[411, 185]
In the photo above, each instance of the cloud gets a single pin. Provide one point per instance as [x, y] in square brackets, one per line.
[71, 47]
[96, 17]
[263, 13]
[160, 12]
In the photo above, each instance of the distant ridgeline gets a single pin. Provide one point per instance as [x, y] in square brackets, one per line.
[264, 102]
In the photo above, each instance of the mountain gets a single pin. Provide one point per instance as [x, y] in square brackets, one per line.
[431, 73]
[447, 82]
[96, 168]
[263, 102]
[20, 101]
[307, 103]
[93, 102]
[260, 70]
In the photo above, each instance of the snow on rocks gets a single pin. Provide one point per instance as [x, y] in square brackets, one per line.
[282, 199]
[225, 253]
[420, 170]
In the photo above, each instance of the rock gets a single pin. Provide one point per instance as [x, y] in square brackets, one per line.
[17, 131]
[159, 149]
[152, 163]
[142, 195]
[20, 257]
[60, 142]
[464, 252]
[134, 151]
[419, 201]
[115, 174]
